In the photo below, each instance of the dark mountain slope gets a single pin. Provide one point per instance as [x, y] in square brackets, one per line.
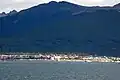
[61, 27]
[3, 14]
[117, 6]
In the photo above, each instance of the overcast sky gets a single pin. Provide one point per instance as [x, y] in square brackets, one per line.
[8, 5]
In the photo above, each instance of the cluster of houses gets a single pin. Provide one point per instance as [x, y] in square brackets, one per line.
[22, 57]
[60, 57]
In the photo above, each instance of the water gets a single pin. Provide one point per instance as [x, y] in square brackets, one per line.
[43, 70]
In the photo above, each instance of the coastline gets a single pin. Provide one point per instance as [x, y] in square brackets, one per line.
[50, 61]
[59, 58]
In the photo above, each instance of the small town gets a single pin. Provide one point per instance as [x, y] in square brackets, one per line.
[58, 57]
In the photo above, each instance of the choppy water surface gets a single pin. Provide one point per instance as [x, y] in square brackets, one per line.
[41, 70]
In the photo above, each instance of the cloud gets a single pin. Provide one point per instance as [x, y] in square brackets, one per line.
[18, 1]
[90, 1]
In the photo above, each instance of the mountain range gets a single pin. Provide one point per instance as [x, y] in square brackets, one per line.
[62, 27]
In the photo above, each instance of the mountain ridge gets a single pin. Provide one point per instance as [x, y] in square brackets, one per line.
[64, 2]
[59, 27]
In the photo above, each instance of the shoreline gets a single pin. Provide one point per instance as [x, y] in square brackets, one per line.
[40, 61]
[60, 58]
